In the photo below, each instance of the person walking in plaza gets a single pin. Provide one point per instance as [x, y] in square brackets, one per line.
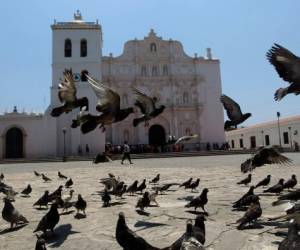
[126, 152]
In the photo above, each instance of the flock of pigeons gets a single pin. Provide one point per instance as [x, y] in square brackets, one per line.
[288, 68]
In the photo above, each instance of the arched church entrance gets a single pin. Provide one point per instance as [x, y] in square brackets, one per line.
[157, 136]
[14, 143]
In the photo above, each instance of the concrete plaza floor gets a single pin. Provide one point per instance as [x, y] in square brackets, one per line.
[165, 223]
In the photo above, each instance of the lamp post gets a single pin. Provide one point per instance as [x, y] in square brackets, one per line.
[278, 115]
[290, 135]
[64, 130]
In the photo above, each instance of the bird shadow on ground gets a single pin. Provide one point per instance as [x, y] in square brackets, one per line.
[79, 216]
[268, 194]
[25, 196]
[9, 230]
[276, 242]
[117, 203]
[197, 212]
[41, 208]
[67, 212]
[61, 233]
[239, 209]
[186, 198]
[256, 225]
[140, 212]
[271, 223]
[147, 224]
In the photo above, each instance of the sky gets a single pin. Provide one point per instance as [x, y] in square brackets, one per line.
[238, 32]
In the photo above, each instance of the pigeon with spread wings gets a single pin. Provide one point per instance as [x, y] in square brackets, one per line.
[108, 105]
[147, 106]
[287, 66]
[262, 157]
[67, 95]
[233, 111]
[186, 138]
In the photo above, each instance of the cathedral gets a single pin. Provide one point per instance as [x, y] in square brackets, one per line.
[189, 87]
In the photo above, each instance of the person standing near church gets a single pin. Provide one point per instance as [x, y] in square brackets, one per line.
[126, 152]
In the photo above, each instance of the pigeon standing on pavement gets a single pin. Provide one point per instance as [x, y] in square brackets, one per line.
[1, 177]
[249, 192]
[69, 183]
[49, 220]
[291, 183]
[56, 194]
[252, 214]
[133, 187]
[11, 214]
[264, 182]
[128, 239]
[106, 198]
[193, 185]
[292, 241]
[36, 173]
[186, 183]
[276, 188]
[60, 175]
[143, 202]
[155, 179]
[43, 201]
[141, 187]
[245, 181]
[199, 201]
[40, 243]
[26, 191]
[80, 204]
[45, 178]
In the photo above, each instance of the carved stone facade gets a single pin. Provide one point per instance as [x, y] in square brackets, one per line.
[189, 87]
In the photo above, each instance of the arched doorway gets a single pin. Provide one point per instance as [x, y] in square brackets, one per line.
[157, 135]
[14, 143]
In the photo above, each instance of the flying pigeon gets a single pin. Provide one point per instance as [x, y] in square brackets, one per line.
[287, 66]
[234, 112]
[186, 138]
[67, 95]
[12, 215]
[108, 105]
[147, 106]
[262, 157]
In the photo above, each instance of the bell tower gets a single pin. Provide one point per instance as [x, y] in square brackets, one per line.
[76, 44]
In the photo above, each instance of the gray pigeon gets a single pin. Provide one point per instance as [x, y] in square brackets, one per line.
[27, 190]
[80, 204]
[43, 201]
[49, 221]
[11, 214]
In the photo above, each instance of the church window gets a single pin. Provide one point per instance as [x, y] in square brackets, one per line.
[165, 70]
[143, 71]
[83, 48]
[153, 47]
[154, 71]
[68, 48]
[185, 97]
[83, 75]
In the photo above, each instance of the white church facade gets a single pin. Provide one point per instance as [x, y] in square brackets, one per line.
[189, 87]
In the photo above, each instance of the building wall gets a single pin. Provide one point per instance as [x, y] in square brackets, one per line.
[38, 130]
[190, 89]
[290, 126]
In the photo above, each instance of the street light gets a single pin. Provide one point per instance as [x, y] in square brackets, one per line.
[64, 130]
[278, 115]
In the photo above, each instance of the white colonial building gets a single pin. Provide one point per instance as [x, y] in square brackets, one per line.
[189, 87]
[267, 134]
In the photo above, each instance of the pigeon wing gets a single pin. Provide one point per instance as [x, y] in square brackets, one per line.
[271, 156]
[285, 62]
[233, 110]
[108, 99]
[67, 89]
[186, 138]
[144, 102]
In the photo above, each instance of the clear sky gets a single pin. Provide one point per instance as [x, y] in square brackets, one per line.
[239, 33]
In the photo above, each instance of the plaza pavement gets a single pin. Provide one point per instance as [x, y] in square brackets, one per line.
[164, 224]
